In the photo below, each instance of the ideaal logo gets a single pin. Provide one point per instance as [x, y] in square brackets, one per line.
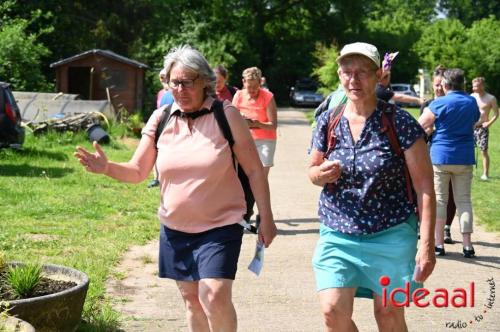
[441, 298]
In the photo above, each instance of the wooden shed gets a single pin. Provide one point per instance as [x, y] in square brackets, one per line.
[102, 74]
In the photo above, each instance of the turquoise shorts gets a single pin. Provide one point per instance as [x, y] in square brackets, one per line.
[359, 261]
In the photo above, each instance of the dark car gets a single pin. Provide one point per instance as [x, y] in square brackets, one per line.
[11, 132]
[303, 93]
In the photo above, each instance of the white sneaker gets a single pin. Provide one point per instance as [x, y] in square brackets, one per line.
[484, 177]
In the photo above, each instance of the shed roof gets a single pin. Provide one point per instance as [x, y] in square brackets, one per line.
[105, 53]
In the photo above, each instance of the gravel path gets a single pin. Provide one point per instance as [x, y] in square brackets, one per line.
[283, 298]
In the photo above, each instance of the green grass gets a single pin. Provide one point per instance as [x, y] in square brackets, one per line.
[485, 195]
[55, 212]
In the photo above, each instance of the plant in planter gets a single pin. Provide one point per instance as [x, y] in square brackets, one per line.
[50, 297]
[23, 279]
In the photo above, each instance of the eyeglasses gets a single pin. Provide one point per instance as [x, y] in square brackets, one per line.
[361, 75]
[186, 83]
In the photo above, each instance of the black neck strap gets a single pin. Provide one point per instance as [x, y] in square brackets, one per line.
[192, 115]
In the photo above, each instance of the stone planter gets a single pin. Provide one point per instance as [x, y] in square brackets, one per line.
[58, 312]
[13, 324]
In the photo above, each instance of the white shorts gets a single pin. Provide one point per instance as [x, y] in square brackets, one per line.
[266, 148]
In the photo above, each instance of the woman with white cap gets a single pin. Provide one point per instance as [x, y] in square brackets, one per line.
[368, 231]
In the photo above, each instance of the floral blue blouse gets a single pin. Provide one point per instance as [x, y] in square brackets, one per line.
[370, 195]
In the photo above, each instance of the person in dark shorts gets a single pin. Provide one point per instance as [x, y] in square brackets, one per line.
[487, 103]
[202, 200]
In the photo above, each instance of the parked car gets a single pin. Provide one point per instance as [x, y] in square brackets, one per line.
[11, 132]
[303, 93]
[406, 89]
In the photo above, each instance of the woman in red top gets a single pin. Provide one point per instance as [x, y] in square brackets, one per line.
[223, 91]
[259, 108]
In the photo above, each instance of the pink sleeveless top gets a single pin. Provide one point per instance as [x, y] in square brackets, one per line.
[256, 110]
[199, 186]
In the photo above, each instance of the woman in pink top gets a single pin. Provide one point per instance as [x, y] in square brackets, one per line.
[259, 108]
[202, 201]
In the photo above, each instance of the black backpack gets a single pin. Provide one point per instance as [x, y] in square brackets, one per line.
[218, 110]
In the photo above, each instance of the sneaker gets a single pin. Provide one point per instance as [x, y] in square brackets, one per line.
[439, 251]
[447, 236]
[484, 177]
[469, 253]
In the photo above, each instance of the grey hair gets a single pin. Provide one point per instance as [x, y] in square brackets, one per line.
[192, 59]
[454, 79]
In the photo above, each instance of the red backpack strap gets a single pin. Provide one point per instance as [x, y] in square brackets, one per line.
[333, 122]
[389, 127]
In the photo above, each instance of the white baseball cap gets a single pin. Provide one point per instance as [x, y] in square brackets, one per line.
[365, 49]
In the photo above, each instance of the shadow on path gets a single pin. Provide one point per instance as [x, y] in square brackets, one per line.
[297, 223]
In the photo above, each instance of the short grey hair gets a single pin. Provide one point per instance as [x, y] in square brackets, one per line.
[192, 59]
[454, 79]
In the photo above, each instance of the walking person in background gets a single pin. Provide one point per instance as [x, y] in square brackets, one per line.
[452, 153]
[202, 201]
[164, 96]
[368, 224]
[223, 91]
[263, 83]
[451, 209]
[486, 103]
[259, 109]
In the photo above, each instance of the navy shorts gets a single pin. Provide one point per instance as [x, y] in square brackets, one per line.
[194, 256]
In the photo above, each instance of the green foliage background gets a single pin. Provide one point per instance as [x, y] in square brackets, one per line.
[287, 39]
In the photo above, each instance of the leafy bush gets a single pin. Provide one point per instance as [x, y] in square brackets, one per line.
[24, 278]
[327, 67]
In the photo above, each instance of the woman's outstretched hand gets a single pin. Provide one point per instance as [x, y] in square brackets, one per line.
[96, 162]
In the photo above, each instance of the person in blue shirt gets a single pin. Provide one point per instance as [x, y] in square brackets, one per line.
[453, 118]
[164, 96]
[368, 230]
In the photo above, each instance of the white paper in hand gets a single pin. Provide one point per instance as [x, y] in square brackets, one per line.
[258, 259]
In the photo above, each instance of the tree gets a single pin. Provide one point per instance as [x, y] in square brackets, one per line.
[395, 25]
[482, 53]
[468, 11]
[442, 43]
[20, 52]
[326, 68]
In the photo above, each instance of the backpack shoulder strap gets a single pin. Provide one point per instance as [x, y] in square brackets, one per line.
[165, 117]
[388, 116]
[220, 117]
[388, 119]
[333, 122]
